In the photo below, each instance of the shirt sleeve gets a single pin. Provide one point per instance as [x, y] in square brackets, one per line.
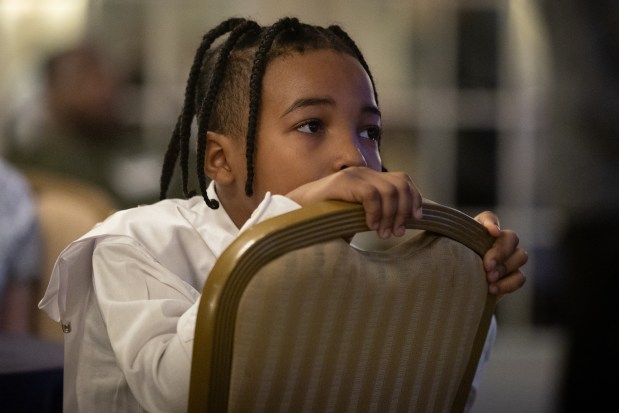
[150, 316]
[483, 359]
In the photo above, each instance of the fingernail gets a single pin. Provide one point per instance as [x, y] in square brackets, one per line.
[419, 213]
[493, 289]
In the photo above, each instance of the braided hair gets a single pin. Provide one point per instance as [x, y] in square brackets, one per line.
[224, 86]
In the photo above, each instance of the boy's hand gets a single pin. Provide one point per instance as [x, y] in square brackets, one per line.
[388, 198]
[504, 259]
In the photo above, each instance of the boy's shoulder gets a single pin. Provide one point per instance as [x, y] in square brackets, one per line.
[149, 220]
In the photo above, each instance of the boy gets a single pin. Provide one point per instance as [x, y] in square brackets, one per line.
[287, 115]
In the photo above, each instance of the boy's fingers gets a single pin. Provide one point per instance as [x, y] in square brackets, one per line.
[518, 259]
[508, 284]
[390, 204]
[490, 221]
[504, 247]
[405, 206]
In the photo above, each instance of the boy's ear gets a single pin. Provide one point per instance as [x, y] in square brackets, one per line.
[218, 158]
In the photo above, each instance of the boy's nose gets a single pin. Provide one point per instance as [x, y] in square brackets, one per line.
[350, 154]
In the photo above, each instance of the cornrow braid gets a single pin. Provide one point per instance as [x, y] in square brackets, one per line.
[255, 91]
[169, 161]
[182, 131]
[209, 100]
[219, 31]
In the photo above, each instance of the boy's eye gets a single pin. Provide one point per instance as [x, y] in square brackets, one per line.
[373, 133]
[310, 126]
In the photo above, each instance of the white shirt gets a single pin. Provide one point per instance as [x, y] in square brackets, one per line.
[129, 290]
[146, 267]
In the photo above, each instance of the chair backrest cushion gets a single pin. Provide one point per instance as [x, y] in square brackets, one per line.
[331, 328]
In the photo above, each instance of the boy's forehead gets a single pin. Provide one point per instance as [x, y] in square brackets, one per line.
[325, 76]
[315, 67]
[319, 62]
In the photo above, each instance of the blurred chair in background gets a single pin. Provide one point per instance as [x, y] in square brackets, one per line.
[67, 209]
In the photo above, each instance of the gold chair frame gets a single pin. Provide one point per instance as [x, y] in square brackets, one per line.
[324, 221]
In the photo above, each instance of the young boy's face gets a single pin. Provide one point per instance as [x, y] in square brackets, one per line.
[318, 116]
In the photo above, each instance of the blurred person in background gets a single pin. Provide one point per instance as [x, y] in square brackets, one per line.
[76, 128]
[20, 252]
[582, 177]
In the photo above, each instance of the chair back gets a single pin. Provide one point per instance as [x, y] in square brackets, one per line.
[67, 209]
[292, 318]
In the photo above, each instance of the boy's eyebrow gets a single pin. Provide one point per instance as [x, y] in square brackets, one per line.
[373, 110]
[303, 102]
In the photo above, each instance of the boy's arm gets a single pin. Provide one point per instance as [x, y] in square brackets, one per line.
[150, 317]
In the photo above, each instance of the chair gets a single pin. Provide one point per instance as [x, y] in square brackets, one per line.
[292, 318]
[67, 208]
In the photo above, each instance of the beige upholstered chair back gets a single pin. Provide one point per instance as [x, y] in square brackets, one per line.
[327, 327]
[67, 209]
